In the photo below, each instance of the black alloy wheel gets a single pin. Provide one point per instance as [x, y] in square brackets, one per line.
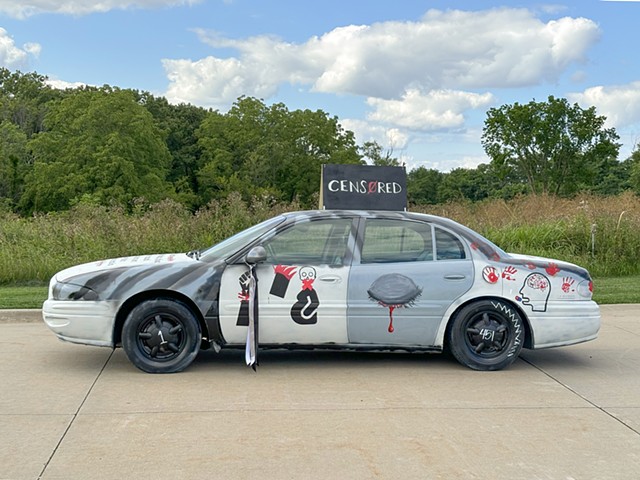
[486, 335]
[161, 336]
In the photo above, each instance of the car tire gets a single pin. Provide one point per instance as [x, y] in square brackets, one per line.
[161, 336]
[486, 335]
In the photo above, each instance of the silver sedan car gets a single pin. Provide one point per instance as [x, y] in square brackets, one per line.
[342, 280]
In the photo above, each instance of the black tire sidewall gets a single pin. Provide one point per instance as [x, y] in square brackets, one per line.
[161, 306]
[457, 342]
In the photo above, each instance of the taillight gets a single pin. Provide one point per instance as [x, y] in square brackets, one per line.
[585, 289]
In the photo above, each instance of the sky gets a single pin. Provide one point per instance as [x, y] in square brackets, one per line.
[418, 77]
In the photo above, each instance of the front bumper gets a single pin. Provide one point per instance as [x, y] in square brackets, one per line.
[86, 322]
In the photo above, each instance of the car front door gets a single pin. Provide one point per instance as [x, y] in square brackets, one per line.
[404, 277]
[302, 286]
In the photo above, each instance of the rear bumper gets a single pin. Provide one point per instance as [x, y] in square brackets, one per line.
[89, 323]
[565, 323]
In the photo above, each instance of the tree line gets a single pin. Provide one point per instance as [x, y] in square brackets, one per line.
[112, 146]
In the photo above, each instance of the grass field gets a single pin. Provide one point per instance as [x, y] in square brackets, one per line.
[601, 234]
[617, 290]
[23, 297]
[607, 290]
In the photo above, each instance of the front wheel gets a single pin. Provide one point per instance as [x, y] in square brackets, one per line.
[486, 335]
[161, 336]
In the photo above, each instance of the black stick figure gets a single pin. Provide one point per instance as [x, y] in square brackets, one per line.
[305, 310]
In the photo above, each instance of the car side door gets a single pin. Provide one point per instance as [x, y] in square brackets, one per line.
[404, 277]
[302, 286]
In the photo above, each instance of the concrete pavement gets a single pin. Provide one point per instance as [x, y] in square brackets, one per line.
[76, 412]
[21, 316]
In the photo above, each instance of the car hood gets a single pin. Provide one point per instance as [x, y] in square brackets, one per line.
[119, 263]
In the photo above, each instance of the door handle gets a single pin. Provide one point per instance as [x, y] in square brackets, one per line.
[330, 279]
[455, 277]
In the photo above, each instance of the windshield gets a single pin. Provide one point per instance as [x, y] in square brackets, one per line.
[231, 245]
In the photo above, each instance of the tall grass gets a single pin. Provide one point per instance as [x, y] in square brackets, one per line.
[33, 249]
[599, 233]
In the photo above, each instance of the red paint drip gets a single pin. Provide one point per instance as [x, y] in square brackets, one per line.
[391, 309]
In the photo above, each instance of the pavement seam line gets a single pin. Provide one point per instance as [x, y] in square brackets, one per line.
[75, 415]
[602, 409]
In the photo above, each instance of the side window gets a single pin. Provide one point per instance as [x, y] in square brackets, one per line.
[448, 246]
[396, 241]
[321, 242]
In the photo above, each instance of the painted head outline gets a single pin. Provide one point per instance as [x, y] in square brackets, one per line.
[535, 292]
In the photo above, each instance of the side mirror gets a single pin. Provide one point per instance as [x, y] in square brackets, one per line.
[256, 255]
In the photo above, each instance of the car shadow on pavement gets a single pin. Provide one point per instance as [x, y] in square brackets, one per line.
[281, 358]
[559, 358]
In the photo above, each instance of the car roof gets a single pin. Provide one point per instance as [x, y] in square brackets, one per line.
[389, 214]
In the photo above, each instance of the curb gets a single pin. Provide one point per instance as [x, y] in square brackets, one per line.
[21, 316]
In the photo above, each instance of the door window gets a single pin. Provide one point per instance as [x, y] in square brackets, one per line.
[320, 242]
[448, 246]
[387, 241]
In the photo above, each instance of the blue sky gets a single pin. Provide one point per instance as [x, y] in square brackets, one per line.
[416, 76]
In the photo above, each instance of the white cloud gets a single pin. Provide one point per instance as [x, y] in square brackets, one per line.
[553, 8]
[448, 163]
[27, 8]
[63, 85]
[444, 50]
[12, 56]
[437, 109]
[619, 103]
[392, 139]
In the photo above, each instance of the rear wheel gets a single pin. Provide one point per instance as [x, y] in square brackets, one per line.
[486, 335]
[161, 336]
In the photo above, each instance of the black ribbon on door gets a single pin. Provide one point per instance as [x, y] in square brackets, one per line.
[251, 348]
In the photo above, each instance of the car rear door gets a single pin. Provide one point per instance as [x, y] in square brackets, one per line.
[404, 277]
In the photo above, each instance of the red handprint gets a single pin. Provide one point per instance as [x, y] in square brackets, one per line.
[567, 284]
[552, 269]
[509, 273]
[490, 275]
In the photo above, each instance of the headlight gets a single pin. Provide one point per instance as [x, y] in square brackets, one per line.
[69, 291]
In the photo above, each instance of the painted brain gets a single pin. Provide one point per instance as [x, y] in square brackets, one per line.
[538, 282]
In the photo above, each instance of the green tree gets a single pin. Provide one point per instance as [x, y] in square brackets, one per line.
[552, 146]
[373, 151]
[464, 184]
[99, 145]
[14, 163]
[423, 185]
[24, 99]
[257, 149]
[633, 164]
[316, 139]
[179, 124]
